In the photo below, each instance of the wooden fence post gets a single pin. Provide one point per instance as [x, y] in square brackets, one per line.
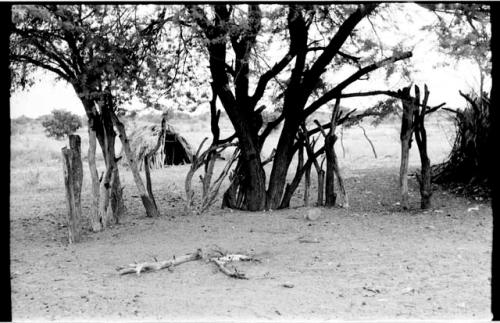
[73, 177]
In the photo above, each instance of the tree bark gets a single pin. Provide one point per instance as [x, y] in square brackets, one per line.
[290, 188]
[307, 185]
[421, 139]
[340, 179]
[330, 196]
[95, 220]
[73, 176]
[403, 172]
[405, 136]
[494, 176]
[149, 186]
[110, 189]
[321, 187]
[149, 205]
[281, 163]
[111, 203]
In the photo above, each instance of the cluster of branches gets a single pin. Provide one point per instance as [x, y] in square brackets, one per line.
[470, 158]
[224, 27]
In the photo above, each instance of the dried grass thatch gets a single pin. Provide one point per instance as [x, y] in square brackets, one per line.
[468, 164]
[163, 147]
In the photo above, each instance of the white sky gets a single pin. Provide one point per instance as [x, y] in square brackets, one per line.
[443, 82]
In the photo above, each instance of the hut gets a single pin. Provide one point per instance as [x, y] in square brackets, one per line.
[161, 144]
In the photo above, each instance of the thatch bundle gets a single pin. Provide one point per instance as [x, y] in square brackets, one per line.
[469, 159]
[162, 145]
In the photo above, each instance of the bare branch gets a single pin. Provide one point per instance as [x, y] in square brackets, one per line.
[336, 91]
[337, 41]
[369, 141]
[28, 59]
[266, 77]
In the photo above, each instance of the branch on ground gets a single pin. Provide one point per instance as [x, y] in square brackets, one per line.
[221, 262]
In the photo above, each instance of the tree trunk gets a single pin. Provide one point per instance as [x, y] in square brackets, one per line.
[425, 185]
[493, 171]
[405, 136]
[290, 188]
[421, 139]
[110, 190]
[110, 187]
[73, 176]
[149, 186]
[340, 179]
[95, 220]
[403, 172]
[307, 185]
[207, 179]
[282, 160]
[330, 196]
[321, 187]
[117, 206]
[149, 205]
[254, 185]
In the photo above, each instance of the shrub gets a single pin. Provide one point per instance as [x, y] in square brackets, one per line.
[19, 125]
[61, 123]
[469, 161]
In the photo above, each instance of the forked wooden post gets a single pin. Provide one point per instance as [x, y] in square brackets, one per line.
[73, 177]
[406, 138]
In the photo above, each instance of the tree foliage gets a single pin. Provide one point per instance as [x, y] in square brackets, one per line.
[317, 40]
[61, 123]
[463, 32]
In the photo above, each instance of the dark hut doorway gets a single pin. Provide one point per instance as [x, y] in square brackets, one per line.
[175, 153]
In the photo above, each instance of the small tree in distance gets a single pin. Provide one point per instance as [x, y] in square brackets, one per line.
[61, 123]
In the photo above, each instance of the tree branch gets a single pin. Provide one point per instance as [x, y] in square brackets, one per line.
[266, 77]
[28, 59]
[337, 41]
[336, 91]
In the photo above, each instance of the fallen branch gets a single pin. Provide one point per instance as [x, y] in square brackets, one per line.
[223, 260]
[222, 267]
[159, 265]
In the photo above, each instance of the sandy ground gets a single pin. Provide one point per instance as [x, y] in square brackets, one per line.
[372, 261]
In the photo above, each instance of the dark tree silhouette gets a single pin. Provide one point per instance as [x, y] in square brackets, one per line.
[494, 174]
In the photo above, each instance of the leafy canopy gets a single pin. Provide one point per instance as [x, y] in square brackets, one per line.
[61, 123]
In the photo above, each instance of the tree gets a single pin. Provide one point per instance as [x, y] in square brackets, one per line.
[101, 50]
[493, 170]
[464, 33]
[240, 28]
[61, 123]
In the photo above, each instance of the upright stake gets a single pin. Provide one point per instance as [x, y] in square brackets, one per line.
[73, 177]
[405, 136]
[95, 219]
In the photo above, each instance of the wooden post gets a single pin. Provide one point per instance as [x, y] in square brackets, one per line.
[307, 184]
[95, 218]
[405, 136]
[321, 186]
[149, 185]
[330, 138]
[73, 177]
[421, 139]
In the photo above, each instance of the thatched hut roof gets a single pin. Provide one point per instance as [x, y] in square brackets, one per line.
[151, 140]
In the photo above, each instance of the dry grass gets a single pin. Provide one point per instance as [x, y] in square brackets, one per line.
[35, 159]
[372, 261]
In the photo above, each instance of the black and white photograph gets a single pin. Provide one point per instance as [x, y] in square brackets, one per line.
[252, 161]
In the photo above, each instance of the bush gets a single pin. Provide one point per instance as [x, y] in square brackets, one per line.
[19, 125]
[61, 123]
[469, 161]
